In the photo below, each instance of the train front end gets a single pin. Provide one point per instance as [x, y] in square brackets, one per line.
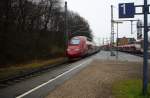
[75, 48]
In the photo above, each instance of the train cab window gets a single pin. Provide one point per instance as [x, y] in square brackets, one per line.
[75, 41]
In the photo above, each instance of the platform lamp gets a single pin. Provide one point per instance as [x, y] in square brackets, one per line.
[117, 22]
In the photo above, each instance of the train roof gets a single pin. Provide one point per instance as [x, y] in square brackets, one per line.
[82, 37]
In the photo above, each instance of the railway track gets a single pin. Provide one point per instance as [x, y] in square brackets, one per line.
[28, 74]
[36, 72]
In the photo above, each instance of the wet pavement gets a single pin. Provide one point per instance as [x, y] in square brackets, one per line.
[55, 81]
[106, 55]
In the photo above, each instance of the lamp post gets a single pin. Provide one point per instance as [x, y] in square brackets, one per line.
[117, 22]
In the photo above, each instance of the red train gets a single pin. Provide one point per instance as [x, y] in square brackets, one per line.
[136, 47]
[79, 46]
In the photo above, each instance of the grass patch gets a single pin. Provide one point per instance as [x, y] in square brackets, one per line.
[20, 68]
[129, 89]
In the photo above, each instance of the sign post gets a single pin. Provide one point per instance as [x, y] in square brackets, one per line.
[145, 61]
[127, 10]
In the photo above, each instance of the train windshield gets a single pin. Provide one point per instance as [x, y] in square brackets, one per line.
[75, 41]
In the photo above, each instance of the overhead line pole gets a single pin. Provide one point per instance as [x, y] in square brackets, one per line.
[129, 21]
[112, 32]
[66, 25]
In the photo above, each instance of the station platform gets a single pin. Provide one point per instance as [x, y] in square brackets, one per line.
[96, 80]
[106, 55]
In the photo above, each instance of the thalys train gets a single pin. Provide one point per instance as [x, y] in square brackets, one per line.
[80, 46]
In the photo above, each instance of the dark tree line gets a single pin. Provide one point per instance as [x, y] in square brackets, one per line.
[35, 30]
[78, 26]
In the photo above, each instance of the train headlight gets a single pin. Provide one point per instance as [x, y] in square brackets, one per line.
[77, 49]
[68, 49]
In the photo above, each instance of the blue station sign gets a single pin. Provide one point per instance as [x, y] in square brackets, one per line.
[126, 10]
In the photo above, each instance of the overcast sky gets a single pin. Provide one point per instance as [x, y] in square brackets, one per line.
[98, 14]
